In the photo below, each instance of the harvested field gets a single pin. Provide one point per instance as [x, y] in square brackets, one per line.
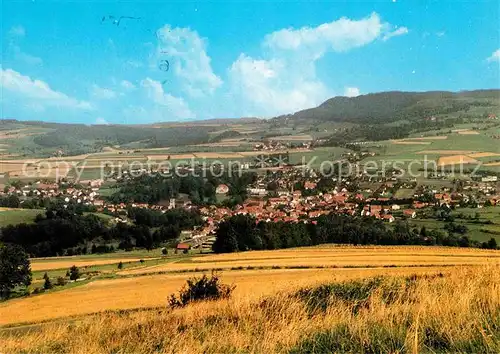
[438, 137]
[256, 153]
[172, 157]
[9, 167]
[221, 144]
[484, 154]
[468, 132]
[38, 264]
[217, 155]
[456, 159]
[492, 164]
[291, 137]
[327, 257]
[69, 158]
[148, 291]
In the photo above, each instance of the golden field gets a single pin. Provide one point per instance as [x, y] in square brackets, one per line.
[153, 290]
[456, 159]
[455, 311]
[278, 270]
[39, 264]
[331, 256]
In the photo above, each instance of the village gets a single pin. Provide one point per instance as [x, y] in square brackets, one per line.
[284, 194]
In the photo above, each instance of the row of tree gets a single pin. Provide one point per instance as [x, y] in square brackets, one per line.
[63, 232]
[243, 233]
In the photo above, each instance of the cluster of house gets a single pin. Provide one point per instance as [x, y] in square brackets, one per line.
[87, 195]
[274, 145]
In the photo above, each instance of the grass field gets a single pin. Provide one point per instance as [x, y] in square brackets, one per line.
[452, 311]
[254, 274]
[149, 291]
[17, 216]
[329, 257]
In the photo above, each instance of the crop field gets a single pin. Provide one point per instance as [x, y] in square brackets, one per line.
[455, 310]
[456, 159]
[48, 264]
[324, 257]
[255, 274]
[149, 291]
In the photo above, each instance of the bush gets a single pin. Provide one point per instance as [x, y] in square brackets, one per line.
[74, 273]
[120, 265]
[47, 284]
[60, 281]
[199, 289]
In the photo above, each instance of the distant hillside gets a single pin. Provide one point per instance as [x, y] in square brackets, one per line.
[386, 107]
[30, 138]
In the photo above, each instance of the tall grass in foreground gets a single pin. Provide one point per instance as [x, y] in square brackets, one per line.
[458, 313]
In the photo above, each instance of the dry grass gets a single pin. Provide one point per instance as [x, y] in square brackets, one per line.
[456, 312]
[456, 159]
[332, 257]
[66, 262]
[149, 291]
[468, 132]
[492, 164]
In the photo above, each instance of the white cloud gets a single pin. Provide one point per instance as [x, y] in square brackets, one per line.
[338, 36]
[186, 52]
[102, 93]
[165, 106]
[266, 88]
[398, 32]
[285, 81]
[351, 92]
[32, 89]
[17, 31]
[127, 85]
[495, 56]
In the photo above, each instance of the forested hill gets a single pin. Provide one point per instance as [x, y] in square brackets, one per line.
[386, 107]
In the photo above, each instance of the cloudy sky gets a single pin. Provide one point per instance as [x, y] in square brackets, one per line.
[77, 62]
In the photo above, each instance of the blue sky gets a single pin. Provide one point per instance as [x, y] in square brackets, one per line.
[60, 62]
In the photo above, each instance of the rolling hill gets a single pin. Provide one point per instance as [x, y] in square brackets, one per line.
[386, 107]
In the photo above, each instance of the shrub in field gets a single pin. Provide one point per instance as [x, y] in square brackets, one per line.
[47, 284]
[120, 265]
[60, 281]
[199, 289]
[74, 273]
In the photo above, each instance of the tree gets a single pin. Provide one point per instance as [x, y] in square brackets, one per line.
[492, 244]
[47, 284]
[74, 273]
[15, 269]
[120, 265]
